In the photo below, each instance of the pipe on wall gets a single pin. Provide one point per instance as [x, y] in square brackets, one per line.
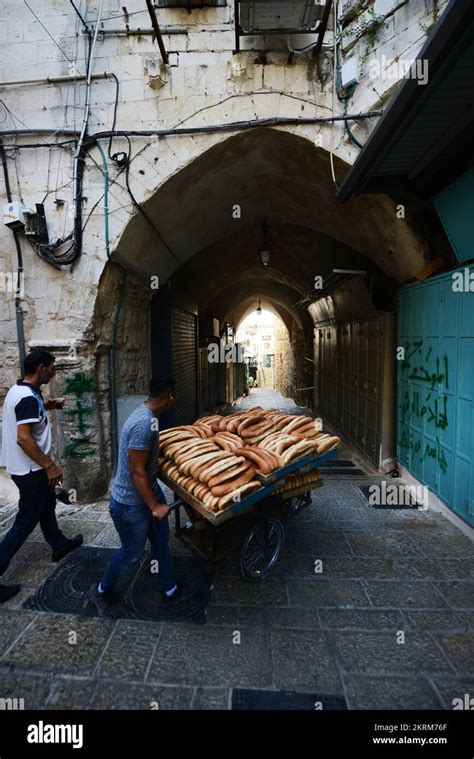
[20, 329]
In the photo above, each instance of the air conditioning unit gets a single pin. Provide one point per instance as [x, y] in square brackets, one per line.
[285, 16]
[191, 4]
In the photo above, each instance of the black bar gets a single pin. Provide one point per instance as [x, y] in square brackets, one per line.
[238, 30]
[156, 29]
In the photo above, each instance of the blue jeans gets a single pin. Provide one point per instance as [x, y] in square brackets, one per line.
[134, 524]
[37, 504]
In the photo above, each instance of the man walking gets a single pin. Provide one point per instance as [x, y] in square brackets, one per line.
[138, 505]
[26, 444]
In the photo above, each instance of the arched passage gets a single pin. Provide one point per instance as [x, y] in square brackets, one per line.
[212, 217]
[271, 173]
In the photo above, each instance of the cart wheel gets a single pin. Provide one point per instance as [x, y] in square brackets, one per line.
[261, 549]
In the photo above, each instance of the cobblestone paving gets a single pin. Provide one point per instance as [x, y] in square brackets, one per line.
[388, 623]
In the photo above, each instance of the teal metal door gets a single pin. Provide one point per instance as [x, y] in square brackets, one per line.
[435, 393]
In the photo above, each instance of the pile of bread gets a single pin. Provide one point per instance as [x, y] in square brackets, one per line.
[217, 459]
[294, 481]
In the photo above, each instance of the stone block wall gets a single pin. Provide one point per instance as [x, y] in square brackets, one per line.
[205, 83]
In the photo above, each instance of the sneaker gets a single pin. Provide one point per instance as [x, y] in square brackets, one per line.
[169, 600]
[71, 545]
[103, 602]
[8, 591]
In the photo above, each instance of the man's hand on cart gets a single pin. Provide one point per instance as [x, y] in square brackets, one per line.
[160, 511]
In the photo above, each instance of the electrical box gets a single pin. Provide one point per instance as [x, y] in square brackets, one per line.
[350, 72]
[13, 215]
[126, 405]
[35, 224]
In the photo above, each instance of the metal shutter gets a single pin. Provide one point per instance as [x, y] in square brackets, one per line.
[184, 336]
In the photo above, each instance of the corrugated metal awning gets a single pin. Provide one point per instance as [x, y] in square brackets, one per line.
[424, 140]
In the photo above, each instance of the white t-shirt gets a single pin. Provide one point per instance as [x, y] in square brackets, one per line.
[23, 405]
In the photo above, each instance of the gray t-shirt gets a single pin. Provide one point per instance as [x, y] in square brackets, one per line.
[138, 433]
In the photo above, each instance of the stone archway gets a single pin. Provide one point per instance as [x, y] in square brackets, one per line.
[210, 258]
[271, 171]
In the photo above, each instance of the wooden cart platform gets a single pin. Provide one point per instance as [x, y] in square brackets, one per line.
[251, 530]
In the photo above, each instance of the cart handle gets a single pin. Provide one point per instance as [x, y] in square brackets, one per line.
[174, 505]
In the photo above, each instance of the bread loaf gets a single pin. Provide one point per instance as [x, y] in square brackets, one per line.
[234, 484]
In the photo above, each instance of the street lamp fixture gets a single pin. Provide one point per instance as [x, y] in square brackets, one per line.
[259, 308]
[264, 249]
[265, 256]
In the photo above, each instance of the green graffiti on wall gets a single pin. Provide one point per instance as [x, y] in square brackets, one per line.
[420, 372]
[431, 410]
[435, 452]
[78, 386]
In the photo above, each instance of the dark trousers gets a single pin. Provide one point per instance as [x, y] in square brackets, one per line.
[37, 504]
[134, 525]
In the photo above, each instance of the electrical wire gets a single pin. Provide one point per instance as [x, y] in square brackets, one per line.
[68, 90]
[20, 195]
[115, 113]
[122, 15]
[344, 98]
[79, 14]
[79, 157]
[139, 207]
[47, 32]
[49, 252]
[110, 184]
[19, 271]
[232, 126]
[331, 144]
[15, 118]
[247, 94]
[48, 175]
[29, 146]
[230, 97]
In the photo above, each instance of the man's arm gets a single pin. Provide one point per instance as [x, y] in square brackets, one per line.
[138, 462]
[28, 445]
[54, 403]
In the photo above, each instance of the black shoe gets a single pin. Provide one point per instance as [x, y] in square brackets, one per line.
[104, 603]
[70, 546]
[8, 591]
[170, 600]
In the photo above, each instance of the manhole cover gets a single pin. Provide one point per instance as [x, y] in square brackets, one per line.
[66, 590]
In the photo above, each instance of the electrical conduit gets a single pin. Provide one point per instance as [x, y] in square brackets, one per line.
[112, 351]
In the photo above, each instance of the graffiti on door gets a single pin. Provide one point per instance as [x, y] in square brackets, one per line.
[429, 405]
[78, 386]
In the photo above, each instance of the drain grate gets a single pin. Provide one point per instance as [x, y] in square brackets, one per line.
[412, 504]
[285, 700]
[66, 590]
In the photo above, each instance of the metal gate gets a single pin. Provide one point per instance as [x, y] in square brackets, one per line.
[185, 369]
[355, 383]
[435, 416]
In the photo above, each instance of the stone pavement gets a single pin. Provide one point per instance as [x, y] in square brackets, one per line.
[384, 572]
[388, 623]
[260, 396]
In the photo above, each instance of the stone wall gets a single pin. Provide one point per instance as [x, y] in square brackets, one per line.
[284, 361]
[203, 84]
[292, 370]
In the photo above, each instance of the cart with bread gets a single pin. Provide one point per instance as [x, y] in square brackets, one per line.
[238, 477]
